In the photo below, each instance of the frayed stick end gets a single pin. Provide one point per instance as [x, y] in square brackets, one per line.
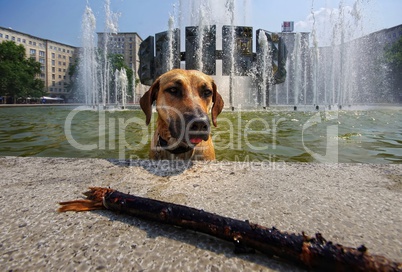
[80, 205]
[94, 201]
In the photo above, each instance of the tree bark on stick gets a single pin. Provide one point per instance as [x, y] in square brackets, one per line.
[311, 252]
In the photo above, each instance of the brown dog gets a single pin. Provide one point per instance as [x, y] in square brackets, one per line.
[183, 100]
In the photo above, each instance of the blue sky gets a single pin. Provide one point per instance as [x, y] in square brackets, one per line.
[60, 20]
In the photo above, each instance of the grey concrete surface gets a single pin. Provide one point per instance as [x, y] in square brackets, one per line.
[350, 204]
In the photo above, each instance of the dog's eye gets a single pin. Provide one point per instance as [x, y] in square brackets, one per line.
[206, 93]
[173, 91]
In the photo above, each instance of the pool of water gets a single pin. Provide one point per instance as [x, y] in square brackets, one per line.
[360, 135]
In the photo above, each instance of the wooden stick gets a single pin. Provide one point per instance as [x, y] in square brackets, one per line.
[313, 252]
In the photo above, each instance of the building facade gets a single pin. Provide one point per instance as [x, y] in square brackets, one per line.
[55, 59]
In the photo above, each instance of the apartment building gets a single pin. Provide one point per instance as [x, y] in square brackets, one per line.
[59, 58]
[54, 57]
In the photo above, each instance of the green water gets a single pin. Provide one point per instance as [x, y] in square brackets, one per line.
[361, 135]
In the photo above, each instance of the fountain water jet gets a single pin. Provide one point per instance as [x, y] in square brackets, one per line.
[265, 65]
[95, 69]
[88, 76]
[121, 84]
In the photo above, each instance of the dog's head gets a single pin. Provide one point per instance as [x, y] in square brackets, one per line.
[183, 100]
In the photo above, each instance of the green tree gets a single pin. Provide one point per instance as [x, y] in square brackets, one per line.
[393, 57]
[393, 53]
[72, 87]
[18, 73]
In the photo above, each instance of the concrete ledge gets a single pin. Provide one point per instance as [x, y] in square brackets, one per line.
[350, 204]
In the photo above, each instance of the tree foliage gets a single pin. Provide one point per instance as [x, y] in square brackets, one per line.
[18, 73]
[72, 86]
[393, 57]
[393, 53]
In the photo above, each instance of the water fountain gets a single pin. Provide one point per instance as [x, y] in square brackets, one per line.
[335, 70]
[95, 71]
[216, 45]
[327, 73]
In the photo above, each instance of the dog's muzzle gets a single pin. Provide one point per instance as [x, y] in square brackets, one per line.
[197, 130]
[187, 132]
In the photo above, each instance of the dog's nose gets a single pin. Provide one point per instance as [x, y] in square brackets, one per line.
[200, 125]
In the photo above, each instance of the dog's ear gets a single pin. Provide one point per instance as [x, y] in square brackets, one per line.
[148, 99]
[218, 104]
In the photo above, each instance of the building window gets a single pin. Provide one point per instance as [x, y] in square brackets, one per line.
[53, 55]
[60, 76]
[32, 51]
[24, 41]
[7, 37]
[18, 39]
[13, 38]
[1, 35]
[53, 76]
[53, 62]
[41, 53]
[53, 83]
[53, 70]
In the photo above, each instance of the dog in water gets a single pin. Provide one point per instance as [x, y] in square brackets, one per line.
[184, 99]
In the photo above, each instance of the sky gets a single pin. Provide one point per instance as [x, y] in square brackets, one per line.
[60, 20]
